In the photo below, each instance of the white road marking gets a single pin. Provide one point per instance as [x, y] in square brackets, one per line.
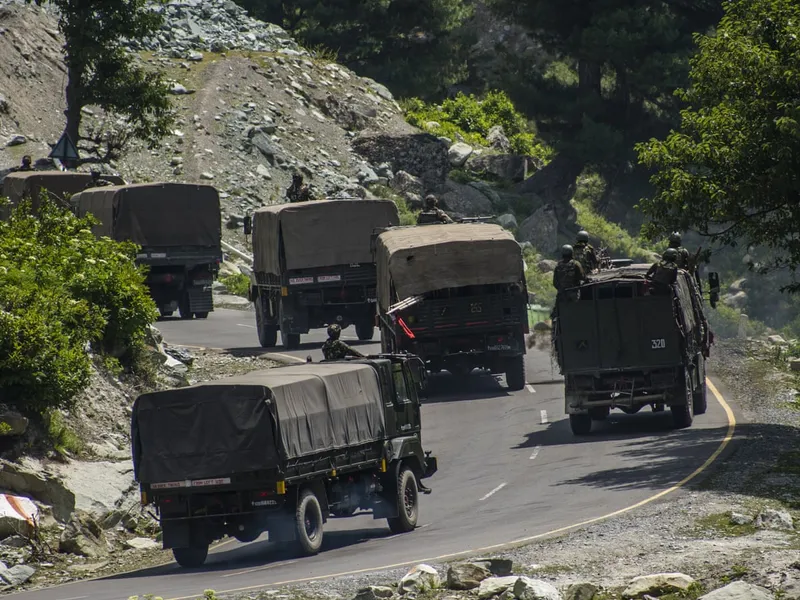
[272, 566]
[530, 389]
[75, 598]
[535, 452]
[391, 537]
[494, 491]
[544, 417]
[248, 326]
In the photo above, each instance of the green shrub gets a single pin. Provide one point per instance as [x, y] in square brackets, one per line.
[237, 284]
[407, 215]
[540, 284]
[63, 290]
[470, 118]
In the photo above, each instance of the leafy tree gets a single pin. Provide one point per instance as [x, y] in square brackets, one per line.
[101, 72]
[732, 171]
[415, 47]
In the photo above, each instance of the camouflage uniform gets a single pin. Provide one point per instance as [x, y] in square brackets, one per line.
[96, 182]
[435, 215]
[337, 349]
[568, 274]
[683, 257]
[585, 254]
[26, 164]
[298, 193]
[664, 272]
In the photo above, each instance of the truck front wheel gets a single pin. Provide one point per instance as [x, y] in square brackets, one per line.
[192, 557]
[515, 373]
[365, 330]
[308, 523]
[580, 424]
[407, 498]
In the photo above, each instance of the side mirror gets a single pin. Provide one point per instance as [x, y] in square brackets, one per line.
[248, 225]
[713, 289]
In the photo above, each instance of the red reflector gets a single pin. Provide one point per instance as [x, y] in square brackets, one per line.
[168, 278]
[407, 331]
[166, 500]
[264, 494]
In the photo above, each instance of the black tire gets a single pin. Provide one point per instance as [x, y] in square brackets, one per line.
[308, 523]
[515, 373]
[190, 558]
[183, 307]
[267, 333]
[407, 498]
[166, 313]
[291, 341]
[700, 395]
[365, 331]
[683, 414]
[580, 424]
[201, 315]
[247, 536]
[599, 413]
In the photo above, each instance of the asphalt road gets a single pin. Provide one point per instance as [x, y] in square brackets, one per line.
[510, 469]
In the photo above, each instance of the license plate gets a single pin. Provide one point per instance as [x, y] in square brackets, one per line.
[190, 483]
[329, 278]
[300, 280]
[158, 255]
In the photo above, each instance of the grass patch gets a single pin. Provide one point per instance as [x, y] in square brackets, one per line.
[721, 524]
[540, 284]
[63, 438]
[238, 284]
[407, 215]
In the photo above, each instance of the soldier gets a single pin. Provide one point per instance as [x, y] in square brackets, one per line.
[334, 348]
[298, 191]
[26, 164]
[96, 181]
[584, 252]
[568, 274]
[665, 271]
[432, 214]
[683, 254]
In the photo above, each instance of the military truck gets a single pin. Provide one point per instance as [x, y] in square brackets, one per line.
[59, 186]
[629, 342]
[313, 266]
[282, 450]
[177, 226]
[455, 295]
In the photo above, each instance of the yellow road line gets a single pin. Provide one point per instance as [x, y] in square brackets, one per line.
[720, 449]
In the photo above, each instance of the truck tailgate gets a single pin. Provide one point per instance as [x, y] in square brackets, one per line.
[618, 333]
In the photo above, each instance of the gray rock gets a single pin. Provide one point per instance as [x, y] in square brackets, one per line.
[99, 487]
[12, 423]
[419, 154]
[374, 592]
[778, 340]
[499, 567]
[498, 140]
[506, 167]
[84, 537]
[581, 591]
[508, 221]
[740, 519]
[16, 140]
[17, 575]
[15, 541]
[458, 154]
[420, 578]
[4, 105]
[180, 354]
[379, 89]
[269, 149]
[179, 90]
[657, 585]
[366, 176]
[384, 170]
[737, 286]
[140, 543]
[739, 590]
[737, 300]
[263, 172]
[465, 200]
[487, 190]
[195, 56]
[546, 265]
[406, 183]
[535, 589]
[206, 175]
[466, 576]
[541, 230]
[494, 586]
[774, 519]
[30, 478]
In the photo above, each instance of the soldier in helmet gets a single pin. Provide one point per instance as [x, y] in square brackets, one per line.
[334, 348]
[584, 252]
[298, 191]
[683, 254]
[665, 271]
[432, 214]
[568, 274]
[26, 164]
[96, 181]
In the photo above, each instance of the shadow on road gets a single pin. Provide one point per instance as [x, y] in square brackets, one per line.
[260, 554]
[478, 385]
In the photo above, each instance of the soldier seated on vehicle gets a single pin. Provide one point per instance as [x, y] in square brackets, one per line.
[665, 271]
[567, 276]
[584, 253]
[432, 214]
[96, 181]
[298, 191]
[336, 349]
[26, 164]
[683, 254]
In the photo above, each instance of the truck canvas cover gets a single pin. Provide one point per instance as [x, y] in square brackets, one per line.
[59, 184]
[155, 214]
[417, 260]
[251, 422]
[614, 328]
[319, 233]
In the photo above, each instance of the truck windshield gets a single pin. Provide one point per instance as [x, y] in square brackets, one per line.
[401, 393]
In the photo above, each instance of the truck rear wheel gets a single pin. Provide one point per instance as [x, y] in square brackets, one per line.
[291, 341]
[599, 413]
[267, 333]
[515, 373]
[201, 315]
[183, 307]
[683, 414]
[365, 331]
[407, 498]
[192, 557]
[700, 395]
[580, 424]
[308, 523]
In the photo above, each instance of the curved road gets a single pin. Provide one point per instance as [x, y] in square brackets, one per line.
[510, 470]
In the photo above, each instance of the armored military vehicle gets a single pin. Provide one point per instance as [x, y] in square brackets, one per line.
[282, 450]
[59, 186]
[629, 342]
[177, 226]
[313, 266]
[455, 295]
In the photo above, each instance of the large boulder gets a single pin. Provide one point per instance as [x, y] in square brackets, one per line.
[17, 575]
[421, 154]
[497, 139]
[657, 585]
[465, 200]
[84, 537]
[405, 183]
[374, 592]
[420, 578]
[99, 487]
[506, 167]
[494, 586]
[499, 567]
[775, 519]
[466, 576]
[508, 221]
[541, 230]
[581, 591]
[12, 423]
[31, 478]
[739, 590]
[535, 589]
[458, 153]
